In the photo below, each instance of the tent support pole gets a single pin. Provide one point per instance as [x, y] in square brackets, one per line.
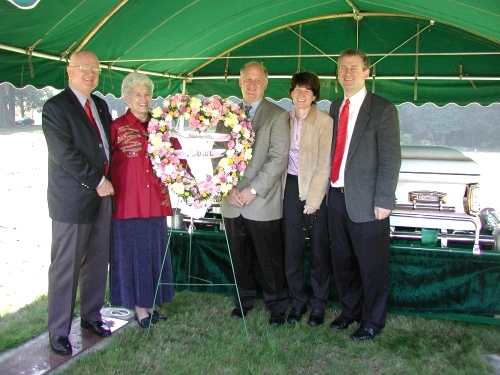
[417, 45]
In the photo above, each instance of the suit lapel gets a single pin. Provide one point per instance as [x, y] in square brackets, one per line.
[260, 113]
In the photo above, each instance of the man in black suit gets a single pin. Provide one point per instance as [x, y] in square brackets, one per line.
[364, 176]
[76, 128]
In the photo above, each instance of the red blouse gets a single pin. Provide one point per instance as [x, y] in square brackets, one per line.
[138, 192]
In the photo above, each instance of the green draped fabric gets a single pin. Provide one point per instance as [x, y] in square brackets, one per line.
[423, 280]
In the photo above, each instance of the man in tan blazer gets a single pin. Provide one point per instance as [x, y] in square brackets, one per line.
[253, 209]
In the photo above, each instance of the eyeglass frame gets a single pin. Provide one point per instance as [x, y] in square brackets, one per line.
[310, 227]
[87, 68]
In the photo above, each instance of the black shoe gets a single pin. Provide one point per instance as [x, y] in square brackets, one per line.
[156, 317]
[236, 312]
[316, 318]
[277, 319]
[60, 344]
[295, 315]
[144, 322]
[342, 322]
[364, 333]
[99, 328]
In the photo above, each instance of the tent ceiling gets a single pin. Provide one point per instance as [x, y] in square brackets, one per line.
[421, 50]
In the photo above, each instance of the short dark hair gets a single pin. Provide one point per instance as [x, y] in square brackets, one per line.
[356, 52]
[306, 79]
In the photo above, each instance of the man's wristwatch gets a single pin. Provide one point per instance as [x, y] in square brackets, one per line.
[252, 190]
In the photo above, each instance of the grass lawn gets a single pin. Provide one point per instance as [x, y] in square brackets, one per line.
[199, 337]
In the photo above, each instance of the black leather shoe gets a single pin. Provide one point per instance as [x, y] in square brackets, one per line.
[364, 333]
[144, 322]
[99, 328]
[342, 322]
[60, 344]
[295, 315]
[316, 318]
[277, 319]
[156, 317]
[236, 312]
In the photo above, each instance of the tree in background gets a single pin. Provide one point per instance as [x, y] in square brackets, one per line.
[21, 102]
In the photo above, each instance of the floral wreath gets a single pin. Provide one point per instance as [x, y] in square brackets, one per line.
[200, 116]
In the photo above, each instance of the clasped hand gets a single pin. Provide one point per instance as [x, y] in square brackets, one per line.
[240, 198]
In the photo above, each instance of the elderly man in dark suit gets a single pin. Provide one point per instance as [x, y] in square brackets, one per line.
[253, 209]
[365, 169]
[76, 128]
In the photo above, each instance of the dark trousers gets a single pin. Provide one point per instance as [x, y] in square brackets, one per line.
[79, 257]
[296, 226]
[360, 258]
[260, 241]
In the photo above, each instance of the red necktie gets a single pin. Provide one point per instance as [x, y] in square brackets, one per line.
[340, 141]
[88, 111]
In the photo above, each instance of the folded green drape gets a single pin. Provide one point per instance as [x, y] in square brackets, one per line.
[423, 280]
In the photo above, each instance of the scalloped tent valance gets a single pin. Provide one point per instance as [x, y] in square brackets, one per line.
[421, 50]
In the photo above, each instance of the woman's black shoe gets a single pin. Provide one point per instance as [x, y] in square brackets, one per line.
[156, 317]
[145, 322]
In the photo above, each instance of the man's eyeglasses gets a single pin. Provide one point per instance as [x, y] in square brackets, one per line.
[311, 223]
[87, 68]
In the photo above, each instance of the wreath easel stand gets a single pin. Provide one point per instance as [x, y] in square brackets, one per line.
[191, 230]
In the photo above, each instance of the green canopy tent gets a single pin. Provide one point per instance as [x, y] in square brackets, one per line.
[421, 50]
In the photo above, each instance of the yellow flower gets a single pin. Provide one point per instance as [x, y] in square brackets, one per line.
[223, 163]
[157, 112]
[248, 153]
[224, 188]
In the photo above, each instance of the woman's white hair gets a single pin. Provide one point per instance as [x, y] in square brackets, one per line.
[133, 79]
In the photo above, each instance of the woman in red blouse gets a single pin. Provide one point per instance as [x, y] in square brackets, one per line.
[139, 235]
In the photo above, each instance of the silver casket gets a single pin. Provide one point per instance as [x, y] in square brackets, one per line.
[437, 198]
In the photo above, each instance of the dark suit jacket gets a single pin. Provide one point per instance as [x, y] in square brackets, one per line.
[76, 157]
[373, 159]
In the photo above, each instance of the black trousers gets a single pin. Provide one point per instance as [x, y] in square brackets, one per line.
[360, 258]
[253, 241]
[296, 226]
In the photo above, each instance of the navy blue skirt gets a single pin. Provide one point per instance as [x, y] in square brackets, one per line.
[138, 248]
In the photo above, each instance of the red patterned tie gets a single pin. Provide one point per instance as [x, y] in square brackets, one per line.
[340, 141]
[88, 111]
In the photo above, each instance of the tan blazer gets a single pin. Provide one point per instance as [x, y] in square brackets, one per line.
[314, 156]
[265, 170]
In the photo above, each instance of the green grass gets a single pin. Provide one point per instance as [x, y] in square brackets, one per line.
[199, 337]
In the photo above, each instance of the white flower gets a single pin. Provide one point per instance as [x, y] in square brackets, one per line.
[237, 128]
[169, 169]
[178, 188]
[195, 103]
[238, 147]
[230, 152]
